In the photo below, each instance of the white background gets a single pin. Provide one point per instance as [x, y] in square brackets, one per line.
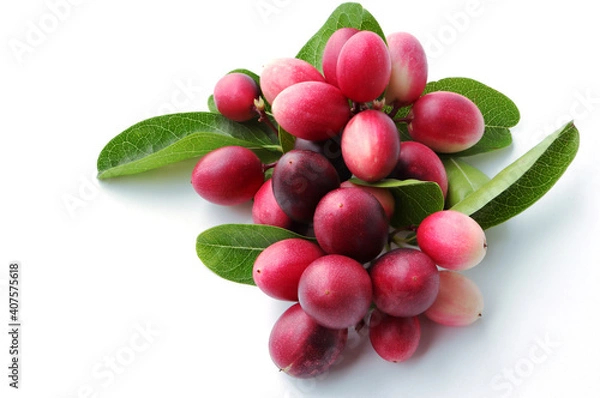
[109, 269]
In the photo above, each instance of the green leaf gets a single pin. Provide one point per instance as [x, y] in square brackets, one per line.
[167, 139]
[347, 15]
[414, 199]
[212, 106]
[524, 181]
[286, 140]
[463, 179]
[499, 112]
[229, 250]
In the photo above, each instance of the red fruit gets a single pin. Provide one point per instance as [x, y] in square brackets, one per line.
[313, 111]
[383, 195]
[332, 51]
[266, 210]
[228, 176]
[301, 347]
[409, 69]
[364, 67]
[282, 73]
[394, 339]
[234, 96]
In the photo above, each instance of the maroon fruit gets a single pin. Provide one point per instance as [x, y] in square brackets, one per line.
[234, 96]
[409, 69]
[332, 51]
[228, 176]
[331, 150]
[446, 122]
[383, 195]
[300, 179]
[336, 291]
[314, 111]
[371, 145]
[405, 282]
[278, 268]
[363, 67]
[351, 221]
[301, 347]
[418, 161]
[394, 339]
[282, 73]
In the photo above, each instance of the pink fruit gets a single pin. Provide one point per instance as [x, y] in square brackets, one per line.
[383, 195]
[394, 339]
[370, 145]
[278, 268]
[266, 210]
[405, 282]
[228, 176]
[301, 347]
[336, 291]
[446, 122]
[313, 111]
[363, 67]
[418, 161]
[282, 73]
[459, 302]
[409, 69]
[332, 51]
[452, 239]
[234, 96]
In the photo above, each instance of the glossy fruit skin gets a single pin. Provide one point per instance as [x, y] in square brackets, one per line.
[228, 176]
[363, 67]
[405, 282]
[282, 73]
[301, 347]
[452, 239]
[418, 161]
[336, 291]
[409, 69]
[383, 195]
[446, 122]
[459, 301]
[278, 268]
[371, 145]
[234, 96]
[394, 339]
[331, 149]
[352, 222]
[313, 111]
[266, 210]
[332, 51]
[300, 179]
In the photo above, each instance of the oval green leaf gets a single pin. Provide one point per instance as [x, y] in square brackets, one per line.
[463, 179]
[168, 139]
[347, 15]
[414, 199]
[229, 250]
[524, 181]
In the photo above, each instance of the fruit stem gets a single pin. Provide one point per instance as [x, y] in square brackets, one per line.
[267, 166]
[259, 107]
[394, 111]
[403, 120]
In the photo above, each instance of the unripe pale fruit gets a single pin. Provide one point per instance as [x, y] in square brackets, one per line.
[405, 282]
[394, 339]
[234, 96]
[332, 51]
[459, 301]
[314, 111]
[300, 179]
[336, 291]
[266, 210]
[446, 122]
[418, 161]
[278, 268]
[351, 221]
[282, 73]
[452, 239]
[228, 176]
[383, 195]
[363, 67]
[409, 69]
[301, 347]
[371, 145]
